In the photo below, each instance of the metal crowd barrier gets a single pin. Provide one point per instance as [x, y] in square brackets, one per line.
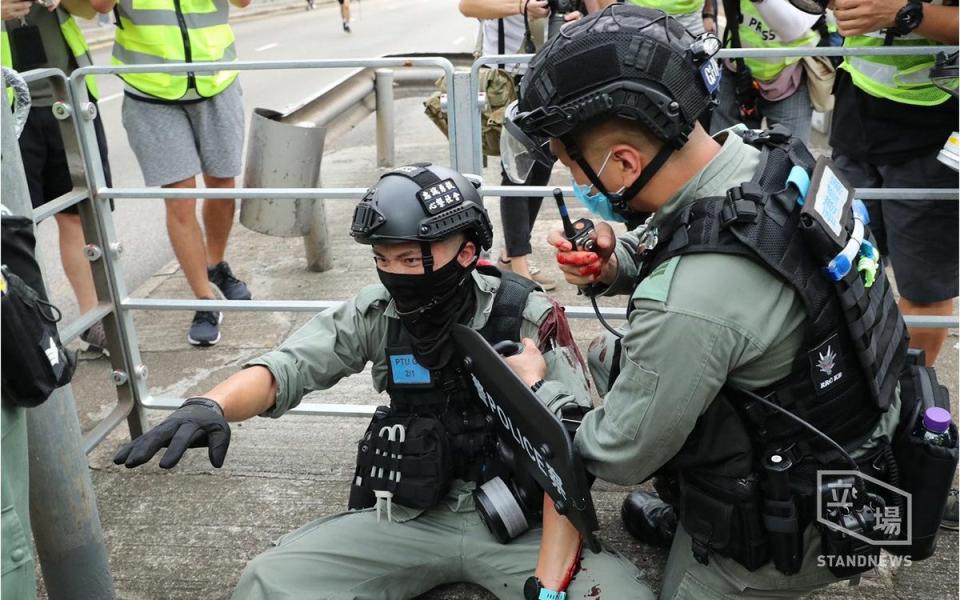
[104, 251]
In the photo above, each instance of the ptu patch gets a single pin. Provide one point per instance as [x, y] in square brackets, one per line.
[440, 196]
[711, 73]
[405, 370]
[826, 365]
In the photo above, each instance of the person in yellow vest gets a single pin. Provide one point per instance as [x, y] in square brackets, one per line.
[696, 15]
[890, 122]
[37, 36]
[184, 124]
[756, 88]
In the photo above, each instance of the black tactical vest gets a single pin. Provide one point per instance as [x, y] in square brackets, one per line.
[842, 379]
[446, 395]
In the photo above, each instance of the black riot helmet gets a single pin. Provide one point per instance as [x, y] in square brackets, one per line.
[421, 203]
[629, 62]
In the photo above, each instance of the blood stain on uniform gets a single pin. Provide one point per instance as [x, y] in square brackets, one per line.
[593, 593]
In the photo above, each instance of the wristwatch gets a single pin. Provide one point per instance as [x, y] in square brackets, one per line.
[909, 17]
[534, 590]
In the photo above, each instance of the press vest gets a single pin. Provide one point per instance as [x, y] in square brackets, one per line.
[173, 32]
[75, 42]
[755, 33]
[842, 379]
[903, 79]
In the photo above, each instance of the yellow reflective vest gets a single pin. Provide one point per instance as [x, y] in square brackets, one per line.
[755, 33]
[75, 42]
[671, 7]
[174, 31]
[904, 79]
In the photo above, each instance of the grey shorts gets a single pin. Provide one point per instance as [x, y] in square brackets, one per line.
[174, 142]
[919, 236]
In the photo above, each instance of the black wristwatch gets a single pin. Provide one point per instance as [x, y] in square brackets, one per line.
[534, 590]
[908, 17]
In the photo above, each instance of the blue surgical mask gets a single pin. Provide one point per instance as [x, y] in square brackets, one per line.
[598, 203]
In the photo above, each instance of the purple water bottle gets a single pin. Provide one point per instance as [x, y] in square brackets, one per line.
[936, 427]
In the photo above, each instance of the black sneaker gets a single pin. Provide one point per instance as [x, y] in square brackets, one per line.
[205, 329]
[96, 339]
[649, 519]
[232, 288]
[346, 27]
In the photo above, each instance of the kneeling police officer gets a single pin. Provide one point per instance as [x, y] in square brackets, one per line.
[740, 355]
[424, 454]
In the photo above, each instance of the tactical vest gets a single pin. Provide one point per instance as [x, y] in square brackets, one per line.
[453, 436]
[842, 379]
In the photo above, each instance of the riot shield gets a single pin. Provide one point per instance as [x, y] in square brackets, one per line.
[534, 433]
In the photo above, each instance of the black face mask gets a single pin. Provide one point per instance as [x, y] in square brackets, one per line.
[429, 304]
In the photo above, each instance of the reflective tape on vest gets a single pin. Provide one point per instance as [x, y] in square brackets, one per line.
[174, 32]
[904, 79]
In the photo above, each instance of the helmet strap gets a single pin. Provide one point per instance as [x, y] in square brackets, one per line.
[647, 174]
[618, 201]
[427, 257]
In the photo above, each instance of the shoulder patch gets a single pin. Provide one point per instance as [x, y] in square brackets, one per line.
[657, 285]
[372, 296]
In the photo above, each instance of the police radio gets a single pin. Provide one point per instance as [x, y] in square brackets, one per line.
[578, 233]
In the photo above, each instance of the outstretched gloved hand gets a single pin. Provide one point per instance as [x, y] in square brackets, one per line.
[197, 423]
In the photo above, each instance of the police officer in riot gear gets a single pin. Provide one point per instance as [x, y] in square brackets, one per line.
[739, 352]
[412, 524]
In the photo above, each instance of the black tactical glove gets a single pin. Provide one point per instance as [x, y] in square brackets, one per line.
[198, 422]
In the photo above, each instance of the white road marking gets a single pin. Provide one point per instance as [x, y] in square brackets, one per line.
[110, 97]
[458, 41]
[266, 47]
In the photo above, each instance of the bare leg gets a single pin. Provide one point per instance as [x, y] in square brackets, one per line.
[218, 219]
[345, 11]
[929, 339]
[519, 265]
[75, 263]
[187, 240]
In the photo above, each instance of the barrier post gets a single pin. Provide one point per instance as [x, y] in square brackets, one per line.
[385, 118]
[462, 102]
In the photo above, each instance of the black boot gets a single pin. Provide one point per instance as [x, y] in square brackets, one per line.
[649, 519]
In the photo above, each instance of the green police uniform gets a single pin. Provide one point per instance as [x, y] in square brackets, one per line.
[699, 322]
[351, 555]
[18, 580]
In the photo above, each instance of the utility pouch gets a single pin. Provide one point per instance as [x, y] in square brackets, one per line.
[406, 455]
[926, 470]
[723, 515]
[26, 46]
[34, 360]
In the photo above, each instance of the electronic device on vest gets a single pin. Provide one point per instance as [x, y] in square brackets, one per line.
[746, 482]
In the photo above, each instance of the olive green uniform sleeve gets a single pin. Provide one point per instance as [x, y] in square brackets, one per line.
[335, 343]
[698, 321]
[566, 381]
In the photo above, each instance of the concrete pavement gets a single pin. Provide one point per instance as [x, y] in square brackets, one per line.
[186, 533]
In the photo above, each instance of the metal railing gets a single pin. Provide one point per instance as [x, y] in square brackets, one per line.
[104, 251]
